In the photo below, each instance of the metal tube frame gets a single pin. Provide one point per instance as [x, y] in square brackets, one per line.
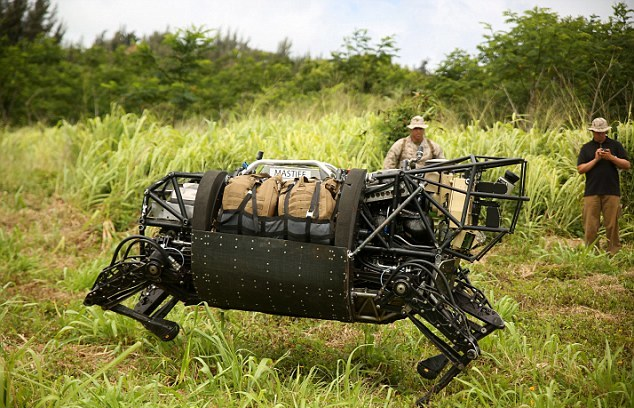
[414, 182]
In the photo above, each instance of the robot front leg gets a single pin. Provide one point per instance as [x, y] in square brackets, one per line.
[473, 302]
[414, 288]
[462, 350]
[132, 274]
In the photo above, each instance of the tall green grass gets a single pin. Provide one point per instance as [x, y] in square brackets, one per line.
[107, 162]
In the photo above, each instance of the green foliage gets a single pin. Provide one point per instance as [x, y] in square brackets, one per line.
[547, 70]
[395, 119]
[625, 135]
[368, 68]
[191, 72]
[31, 90]
[22, 20]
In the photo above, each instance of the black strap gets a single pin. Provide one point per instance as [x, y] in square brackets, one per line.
[286, 215]
[313, 210]
[239, 211]
[254, 206]
[314, 203]
[334, 213]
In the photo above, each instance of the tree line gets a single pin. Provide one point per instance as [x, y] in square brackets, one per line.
[545, 69]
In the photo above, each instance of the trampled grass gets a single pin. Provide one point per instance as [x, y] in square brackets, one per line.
[75, 190]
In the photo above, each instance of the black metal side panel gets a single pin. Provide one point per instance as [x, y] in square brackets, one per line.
[271, 275]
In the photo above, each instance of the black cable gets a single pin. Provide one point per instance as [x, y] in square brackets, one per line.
[138, 238]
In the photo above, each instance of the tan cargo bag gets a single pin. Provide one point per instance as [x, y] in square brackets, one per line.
[241, 188]
[299, 198]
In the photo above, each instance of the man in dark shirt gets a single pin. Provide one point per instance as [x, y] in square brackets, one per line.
[600, 160]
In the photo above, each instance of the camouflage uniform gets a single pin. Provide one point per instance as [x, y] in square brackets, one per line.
[405, 148]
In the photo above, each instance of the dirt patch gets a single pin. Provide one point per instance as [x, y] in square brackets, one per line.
[335, 335]
[40, 291]
[606, 285]
[67, 359]
[79, 359]
[552, 240]
[589, 312]
[50, 229]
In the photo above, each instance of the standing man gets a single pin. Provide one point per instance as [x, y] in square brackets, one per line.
[600, 160]
[408, 147]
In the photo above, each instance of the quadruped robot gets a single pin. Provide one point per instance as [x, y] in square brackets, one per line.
[390, 249]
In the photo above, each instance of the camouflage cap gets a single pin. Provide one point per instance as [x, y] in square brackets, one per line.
[599, 125]
[417, 122]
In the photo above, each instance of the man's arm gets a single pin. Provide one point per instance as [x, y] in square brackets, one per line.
[587, 166]
[391, 158]
[438, 152]
[620, 163]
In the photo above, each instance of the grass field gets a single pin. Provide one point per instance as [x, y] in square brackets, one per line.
[70, 193]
